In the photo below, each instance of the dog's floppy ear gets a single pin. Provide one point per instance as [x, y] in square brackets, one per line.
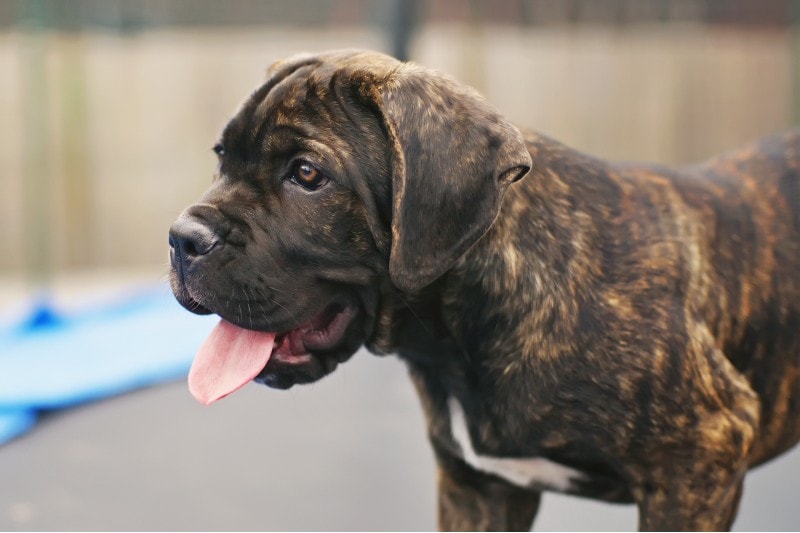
[453, 157]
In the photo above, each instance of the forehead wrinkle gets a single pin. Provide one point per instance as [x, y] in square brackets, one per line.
[284, 137]
[237, 125]
[302, 116]
[283, 94]
[329, 153]
[248, 125]
[328, 98]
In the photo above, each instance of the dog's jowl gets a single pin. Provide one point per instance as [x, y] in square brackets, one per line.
[624, 332]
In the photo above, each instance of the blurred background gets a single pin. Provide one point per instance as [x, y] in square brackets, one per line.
[108, 111]
[109, 107]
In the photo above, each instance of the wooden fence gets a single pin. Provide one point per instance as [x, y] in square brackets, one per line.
[105, 137]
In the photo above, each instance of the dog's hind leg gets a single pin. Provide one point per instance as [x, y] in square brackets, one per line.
[697, 488]
[693, 480]
[473, 501]
[691, 505]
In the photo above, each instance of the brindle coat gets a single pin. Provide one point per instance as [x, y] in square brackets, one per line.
[636, 323]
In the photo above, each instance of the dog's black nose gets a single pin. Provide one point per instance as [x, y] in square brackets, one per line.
[190, 238]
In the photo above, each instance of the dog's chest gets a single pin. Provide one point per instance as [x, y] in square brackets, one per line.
[531, 472]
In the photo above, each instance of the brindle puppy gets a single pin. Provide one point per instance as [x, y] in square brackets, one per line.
[623, 332]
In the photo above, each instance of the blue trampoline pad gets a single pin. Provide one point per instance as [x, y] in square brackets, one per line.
[52, 361]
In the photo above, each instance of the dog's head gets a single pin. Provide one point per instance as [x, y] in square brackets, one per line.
[345, 176]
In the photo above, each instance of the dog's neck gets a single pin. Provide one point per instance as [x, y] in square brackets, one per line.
[537, 220]
[540, 250]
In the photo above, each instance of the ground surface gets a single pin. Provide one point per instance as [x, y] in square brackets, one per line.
[346, 453]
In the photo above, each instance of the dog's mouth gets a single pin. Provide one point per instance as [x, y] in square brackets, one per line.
[233, 356]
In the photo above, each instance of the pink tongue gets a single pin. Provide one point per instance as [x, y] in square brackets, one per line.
[229, 359]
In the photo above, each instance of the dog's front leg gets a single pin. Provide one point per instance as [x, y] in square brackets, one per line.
[468, 500]
[472, 501]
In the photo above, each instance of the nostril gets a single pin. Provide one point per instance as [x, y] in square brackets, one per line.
[189, 248]
[190, 238]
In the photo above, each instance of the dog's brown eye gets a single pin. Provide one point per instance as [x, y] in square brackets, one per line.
[219, 150]
[308, 176]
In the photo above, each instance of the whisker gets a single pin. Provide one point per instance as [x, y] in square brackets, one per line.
[291, 294]
[274, 301]
[424, 326]
[249, 310]
[230, 298]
